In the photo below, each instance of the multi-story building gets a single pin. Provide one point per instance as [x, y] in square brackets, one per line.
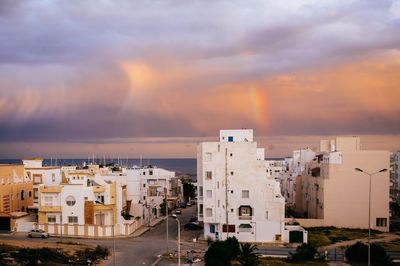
[82, 204]
[293, 171]
[40, 175]
[15, 194]
[395, 178]
[237, 194]
[332, 190]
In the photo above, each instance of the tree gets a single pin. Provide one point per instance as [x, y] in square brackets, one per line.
[220, 253]
[188, 190]
[248, 255]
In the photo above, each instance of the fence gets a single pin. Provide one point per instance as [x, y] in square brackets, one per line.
[89, 230]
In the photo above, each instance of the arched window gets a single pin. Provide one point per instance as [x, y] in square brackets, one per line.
[70, 201]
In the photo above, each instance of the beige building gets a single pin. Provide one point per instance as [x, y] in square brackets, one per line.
[334, 192]
[15, 194]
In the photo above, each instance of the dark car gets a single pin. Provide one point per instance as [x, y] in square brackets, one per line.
[192, 226]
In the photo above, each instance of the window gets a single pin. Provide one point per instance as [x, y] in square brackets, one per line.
[381, 222]
[201, 191]
[48, 200]
[35, 193]
[266, 215]
[144, 185]
[278, 237]
[245, 194]
[201, 210]
[245, 228]
[245, 211]
[231, 155]
[70, 200]
[51, 219]
[230, 139]
[208, 175]
[230, 227]
[212, 228]
[30, 194]
[209, 193]
[73, 219]
[150, 172]
[208, 212]
[22, 195]
[231, 172]
[208, 157]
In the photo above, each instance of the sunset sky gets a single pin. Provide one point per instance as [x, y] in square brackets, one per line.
[154, 78]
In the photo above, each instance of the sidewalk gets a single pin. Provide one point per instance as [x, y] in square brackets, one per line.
[144, 228]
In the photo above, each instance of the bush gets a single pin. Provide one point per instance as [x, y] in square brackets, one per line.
[359, 253]
[222, 252]
[304, 252]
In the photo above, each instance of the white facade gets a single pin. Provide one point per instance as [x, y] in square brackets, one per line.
[237, 195]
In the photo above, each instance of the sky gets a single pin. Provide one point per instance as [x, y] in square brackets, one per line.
[155, 78]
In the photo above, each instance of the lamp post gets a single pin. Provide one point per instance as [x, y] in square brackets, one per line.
[369, 208]
[166, 215]
[179, 239]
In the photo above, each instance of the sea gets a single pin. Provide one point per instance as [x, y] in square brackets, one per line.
[181, 166]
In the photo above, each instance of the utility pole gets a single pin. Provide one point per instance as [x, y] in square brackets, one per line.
[226, 193]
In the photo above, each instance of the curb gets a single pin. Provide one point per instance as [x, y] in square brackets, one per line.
[156, 262]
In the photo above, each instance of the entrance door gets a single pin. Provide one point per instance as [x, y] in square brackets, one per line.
[5, 224]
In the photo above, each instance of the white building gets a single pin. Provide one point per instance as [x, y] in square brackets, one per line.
[40, 175]
[237, 195]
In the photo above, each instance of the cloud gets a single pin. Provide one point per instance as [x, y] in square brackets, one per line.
[110, 70]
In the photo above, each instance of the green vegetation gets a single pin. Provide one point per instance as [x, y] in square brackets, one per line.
[188, 190]
[393, 246]
[11, 255]
[323, 236]
[282, 262]
[230, 252]
[304, 252]
[359, 253]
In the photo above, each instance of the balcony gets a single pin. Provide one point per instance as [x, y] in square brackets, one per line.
[50, 208]
[101, 207]
[99, 189]
[245, 218]
[51, 189]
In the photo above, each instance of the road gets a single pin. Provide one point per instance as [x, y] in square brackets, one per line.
[141, 250]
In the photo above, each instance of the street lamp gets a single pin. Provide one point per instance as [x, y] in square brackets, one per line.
[179, 238]
[166, 215]
[369, 208]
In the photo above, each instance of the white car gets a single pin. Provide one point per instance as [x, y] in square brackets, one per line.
[38, 233]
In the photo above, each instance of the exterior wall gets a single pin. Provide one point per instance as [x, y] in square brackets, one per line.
[236, 169]
[334, 191]
[16, 190]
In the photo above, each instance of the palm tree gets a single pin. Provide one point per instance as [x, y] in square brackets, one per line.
[248, 255]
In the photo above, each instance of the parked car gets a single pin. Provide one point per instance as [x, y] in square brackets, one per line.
[188, 204]
[192, 226]
[38, 233]
[182, 205]
[178, 211]
[194, 220]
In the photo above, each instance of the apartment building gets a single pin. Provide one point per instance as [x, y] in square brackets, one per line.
[15, 194]
[84, 204]
[40, 175]
[334, 192]
[288, 178]
[237, 194]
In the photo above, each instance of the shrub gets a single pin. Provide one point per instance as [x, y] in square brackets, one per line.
[303, 253]
[359, 253]
[222, 251]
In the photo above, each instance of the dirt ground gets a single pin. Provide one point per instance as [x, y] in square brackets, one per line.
[67, 247]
